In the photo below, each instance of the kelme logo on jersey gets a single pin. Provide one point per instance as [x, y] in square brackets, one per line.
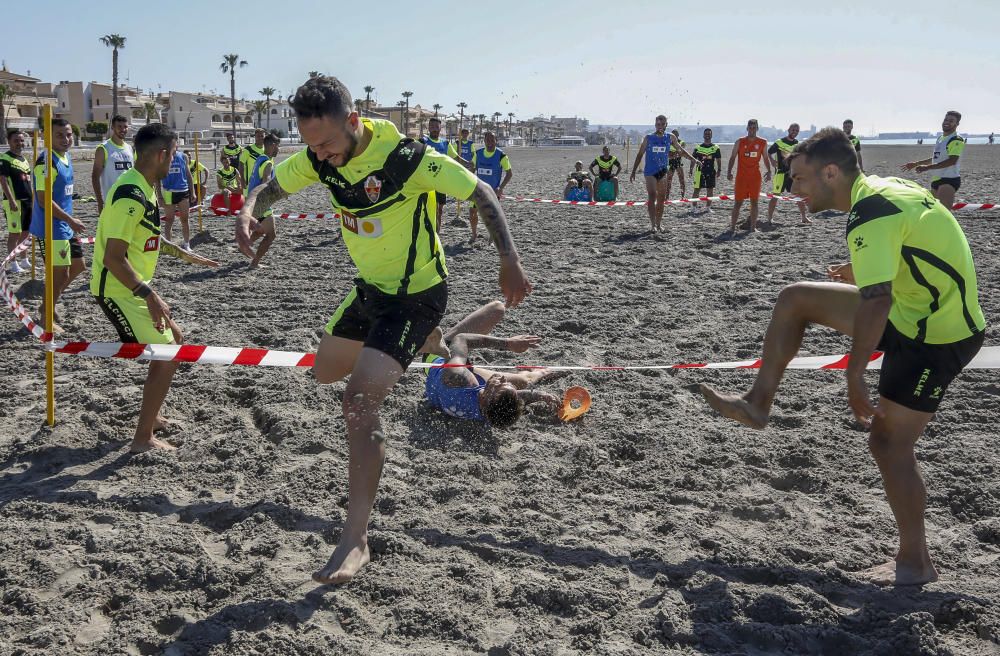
[373, 187]
[859, 243]
[362, 227]
[433, 167]
[152, 244]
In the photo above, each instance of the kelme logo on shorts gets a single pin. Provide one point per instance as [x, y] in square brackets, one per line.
[406, 333]
[366, 227]
[920, 383]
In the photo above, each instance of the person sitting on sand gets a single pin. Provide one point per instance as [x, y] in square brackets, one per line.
[477, 393]
[579, 179]
[910, 292]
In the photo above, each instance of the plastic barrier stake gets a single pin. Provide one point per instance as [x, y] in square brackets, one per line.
[197, 182]
[50, 365]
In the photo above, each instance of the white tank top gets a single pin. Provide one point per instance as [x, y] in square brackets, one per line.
[941, 154]
[117, 160]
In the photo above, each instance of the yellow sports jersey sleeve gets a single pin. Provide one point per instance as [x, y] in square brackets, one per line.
[442, 174]
[876, 248]
[120, 218]
[296, 172]
[40, 177]
[452, 152]
[956, 147]
[504, 163]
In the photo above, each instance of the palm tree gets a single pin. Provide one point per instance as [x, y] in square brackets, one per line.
[229, 64]
[461, 115]
[116, 42]
[510, 119]
[150, 111]
[5, 92]
[406, 117]
[436, 107]
[267, 92]
[259, 106]
[368, 98]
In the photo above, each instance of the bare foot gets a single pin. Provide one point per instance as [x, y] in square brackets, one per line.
[892, 573]
[347, 560]
[735, 407]
[139, 446]
[434, 344]
[163, 425]
[806, 221]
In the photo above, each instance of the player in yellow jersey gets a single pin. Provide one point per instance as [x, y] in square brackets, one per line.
[384, 187]
[909, 291]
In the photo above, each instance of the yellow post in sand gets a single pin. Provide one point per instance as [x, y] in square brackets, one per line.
[50, 363]
[34, 158]
[628, 150]
[197, 182]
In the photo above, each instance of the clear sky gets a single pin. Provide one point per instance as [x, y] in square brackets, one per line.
[891, 66]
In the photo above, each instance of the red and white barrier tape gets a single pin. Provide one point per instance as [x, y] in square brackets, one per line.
[988, 357]
[689, 201]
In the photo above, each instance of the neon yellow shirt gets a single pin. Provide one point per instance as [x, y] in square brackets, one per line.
[132, 216]
[227, 178]
[248, 157]
[387, 205]
[898, 232]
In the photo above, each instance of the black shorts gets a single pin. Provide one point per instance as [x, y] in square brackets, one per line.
[75, 248]
[26, 207]
[674, 164]
[786, 183]
[605, 175]
[176, 197]
[394, 325]
[659, 174]
[916, 374]
[441, 198]
[954, 182]
[707, 178]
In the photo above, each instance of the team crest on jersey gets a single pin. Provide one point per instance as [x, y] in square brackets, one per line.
[152, 244]
[373, 187]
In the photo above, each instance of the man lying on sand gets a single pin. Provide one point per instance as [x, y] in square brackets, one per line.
[477, 393]
[910, 292]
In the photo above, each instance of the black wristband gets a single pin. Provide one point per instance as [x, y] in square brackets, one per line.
[142, 290]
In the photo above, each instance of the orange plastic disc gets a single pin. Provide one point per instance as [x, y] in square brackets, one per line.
[576, 402]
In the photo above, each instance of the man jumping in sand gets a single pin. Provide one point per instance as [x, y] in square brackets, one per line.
[477, 393]
[380, 183]
[656, 148]
[910, 292]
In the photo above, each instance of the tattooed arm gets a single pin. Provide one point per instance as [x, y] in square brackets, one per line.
[257, 203]
[869, 324]
[513, 281]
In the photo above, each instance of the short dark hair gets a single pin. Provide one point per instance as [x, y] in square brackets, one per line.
[118, 118]
[12, 131]
[59, 123]
[847, 120]
[320, 96]
[829, 146]
[154, 135]
[957, 115]
[661, 116]
[433, 119]
[505, 409]
[271, 140]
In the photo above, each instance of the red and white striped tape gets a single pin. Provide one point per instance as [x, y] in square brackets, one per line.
[988, 357]
[689, 201]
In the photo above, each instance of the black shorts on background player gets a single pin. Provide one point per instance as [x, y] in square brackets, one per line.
[954, 182]
[674, 164]
[916, 374]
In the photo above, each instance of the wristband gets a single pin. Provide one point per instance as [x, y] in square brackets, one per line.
[142, 290]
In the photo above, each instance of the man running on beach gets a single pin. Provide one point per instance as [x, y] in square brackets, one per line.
[446, 148]
[750, 150]
[67, 253]
[707, 167]
[126, 251]
[674, 165]
[489, 163]
[606, 167]
[261, 174]
[477, 393]
[656, 148]
[909, 291]
[111, 159]
[947, 150]
[778, 154]
[848, 126]
[15, 190]
[380, 183]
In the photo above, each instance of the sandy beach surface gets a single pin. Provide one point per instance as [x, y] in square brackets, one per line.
[649, 526]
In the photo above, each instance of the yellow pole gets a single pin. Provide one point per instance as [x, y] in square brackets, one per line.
[34, 158]
[50, 364]
[197, 182]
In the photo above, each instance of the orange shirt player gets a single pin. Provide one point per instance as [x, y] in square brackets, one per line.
[751, 151]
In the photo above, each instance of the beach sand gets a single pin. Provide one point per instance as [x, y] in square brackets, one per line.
[651, 525]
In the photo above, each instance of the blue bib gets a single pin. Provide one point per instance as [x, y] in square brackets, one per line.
[176, 179]
[441, 145]
[461, 402]
[62, 195]
[657, 153]
[488, 168]
[255, 177]
[465, 149]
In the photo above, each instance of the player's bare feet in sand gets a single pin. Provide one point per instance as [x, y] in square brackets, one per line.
[347, 560]
[163, 425]
[806, 220]
[892, 573]
[140, 446]
[735, 407]
[434, 344]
